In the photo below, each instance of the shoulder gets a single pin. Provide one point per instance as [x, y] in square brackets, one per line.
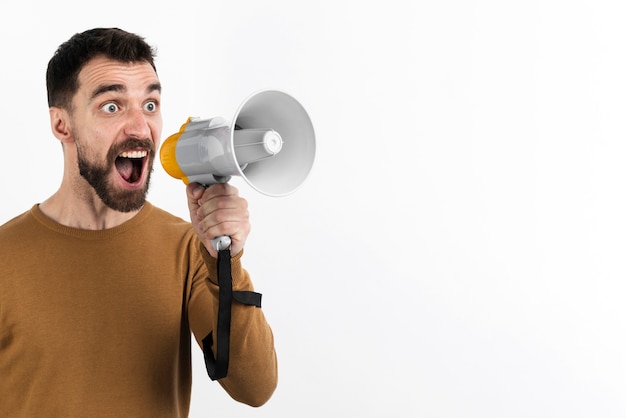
[17, 237]
[165, 224]
[155, 214]
[19, 225]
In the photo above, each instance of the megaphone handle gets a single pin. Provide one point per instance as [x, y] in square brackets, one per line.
[221, 243]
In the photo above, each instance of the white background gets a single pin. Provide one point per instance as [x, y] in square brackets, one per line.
[457, 250]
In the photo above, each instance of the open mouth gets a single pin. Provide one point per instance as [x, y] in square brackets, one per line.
[130, 165]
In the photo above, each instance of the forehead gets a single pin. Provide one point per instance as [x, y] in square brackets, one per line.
[102, 71]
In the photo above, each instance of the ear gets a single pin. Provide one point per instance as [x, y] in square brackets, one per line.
[60, 125]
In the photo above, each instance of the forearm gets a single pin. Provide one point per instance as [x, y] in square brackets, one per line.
[252, 365]
[253, 370]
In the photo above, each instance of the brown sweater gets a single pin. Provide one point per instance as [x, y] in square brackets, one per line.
[99, 323]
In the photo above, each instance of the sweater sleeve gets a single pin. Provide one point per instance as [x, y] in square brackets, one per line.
[253, 371]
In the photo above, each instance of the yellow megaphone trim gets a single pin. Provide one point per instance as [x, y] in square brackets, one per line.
[168, 155]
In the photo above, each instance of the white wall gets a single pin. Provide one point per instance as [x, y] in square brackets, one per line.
[458, 248]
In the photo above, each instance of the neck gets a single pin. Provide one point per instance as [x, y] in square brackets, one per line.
[83, 212]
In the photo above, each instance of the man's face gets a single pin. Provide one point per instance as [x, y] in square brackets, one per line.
[116, 123]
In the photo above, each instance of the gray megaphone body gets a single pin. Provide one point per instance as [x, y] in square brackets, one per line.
[270, 143]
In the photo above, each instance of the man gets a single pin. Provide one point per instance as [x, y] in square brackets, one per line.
[99, 289]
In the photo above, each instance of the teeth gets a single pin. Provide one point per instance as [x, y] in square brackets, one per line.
[134, 154]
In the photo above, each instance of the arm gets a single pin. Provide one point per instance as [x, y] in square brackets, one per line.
[252, 372]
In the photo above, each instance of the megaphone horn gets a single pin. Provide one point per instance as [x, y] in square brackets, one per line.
[270, 143]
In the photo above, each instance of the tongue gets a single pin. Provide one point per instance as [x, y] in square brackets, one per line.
[125, 167]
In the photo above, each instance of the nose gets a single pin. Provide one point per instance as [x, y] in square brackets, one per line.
[137, 124]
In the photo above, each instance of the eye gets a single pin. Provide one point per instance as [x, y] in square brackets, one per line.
[110, 108]
[150, 106]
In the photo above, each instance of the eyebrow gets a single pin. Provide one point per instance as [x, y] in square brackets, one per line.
[105, 88]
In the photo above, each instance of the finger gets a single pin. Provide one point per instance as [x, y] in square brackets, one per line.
[237, 230]
[215, 201]
[194, 194]
[223, 210]
[219, 190]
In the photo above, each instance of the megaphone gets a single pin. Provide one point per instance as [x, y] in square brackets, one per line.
[270, 143]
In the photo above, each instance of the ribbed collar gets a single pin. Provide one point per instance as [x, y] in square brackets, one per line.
[40, 217]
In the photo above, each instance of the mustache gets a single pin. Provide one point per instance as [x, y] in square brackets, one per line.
[130, 144]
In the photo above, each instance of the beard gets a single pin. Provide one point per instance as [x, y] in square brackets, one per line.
[98, 175]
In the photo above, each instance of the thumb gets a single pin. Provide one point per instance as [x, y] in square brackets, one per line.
[194, 193]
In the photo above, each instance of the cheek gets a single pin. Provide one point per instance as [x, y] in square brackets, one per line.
[99, 134]
[156, 129]
[95, 142]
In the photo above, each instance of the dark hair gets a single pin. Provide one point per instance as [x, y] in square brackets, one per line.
[71, 56]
